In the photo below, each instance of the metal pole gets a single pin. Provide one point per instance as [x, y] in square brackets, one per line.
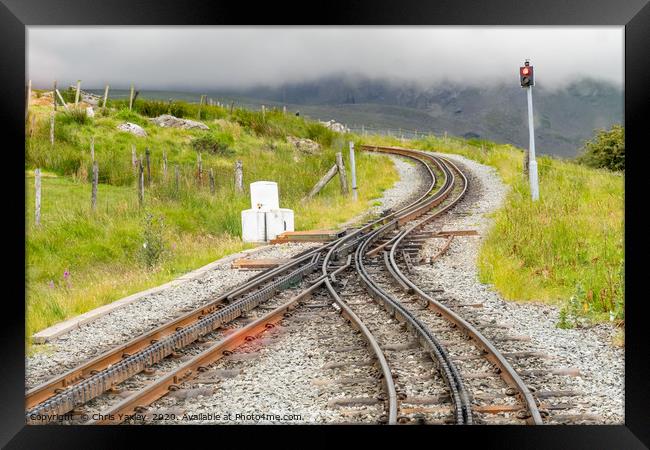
[353, 167]
[532, 168]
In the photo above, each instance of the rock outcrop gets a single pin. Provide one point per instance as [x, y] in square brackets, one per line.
[335, 126]
[169, 121]
[304, 145]
[132, 128]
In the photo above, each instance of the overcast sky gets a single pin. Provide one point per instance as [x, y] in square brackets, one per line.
[236, 57]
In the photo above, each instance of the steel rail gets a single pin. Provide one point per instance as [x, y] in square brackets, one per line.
[129, 365]
[57, 384]
[448, 369]
[61, 391]
[506, 371]
[136, 402]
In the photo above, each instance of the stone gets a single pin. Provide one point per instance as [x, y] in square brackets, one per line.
[169, 121]
[335, 126]
[132, 128]
[304, 145]
[90, 112]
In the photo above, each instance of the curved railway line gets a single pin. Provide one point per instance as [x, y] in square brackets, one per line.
[365, 273]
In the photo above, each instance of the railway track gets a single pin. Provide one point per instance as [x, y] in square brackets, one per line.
[369, 264]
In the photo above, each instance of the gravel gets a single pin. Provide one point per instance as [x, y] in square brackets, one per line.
[123, 324]
[411, 182]
[601, 365]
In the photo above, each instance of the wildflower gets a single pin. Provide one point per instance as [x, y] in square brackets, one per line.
[66, 274]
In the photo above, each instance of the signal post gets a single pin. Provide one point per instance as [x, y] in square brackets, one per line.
[527, 81]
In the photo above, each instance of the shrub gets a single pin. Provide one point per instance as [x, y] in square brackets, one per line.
[215, 143]
[77, 115]
[606, 150]
[155, 108]
[153, 240]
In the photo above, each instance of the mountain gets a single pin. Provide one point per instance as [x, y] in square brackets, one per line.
[564, 117]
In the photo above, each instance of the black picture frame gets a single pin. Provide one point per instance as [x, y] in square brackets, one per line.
[15, 15]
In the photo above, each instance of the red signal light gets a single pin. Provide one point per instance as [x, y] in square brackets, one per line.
[525, 71]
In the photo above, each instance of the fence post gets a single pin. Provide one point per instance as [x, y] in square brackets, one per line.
[131, 98]
[76, 96]
[32, 125]
[200, 105]
[526, 161]
[93, 198]
[147, 155]
[342, 177]
[92, 148]
[200, 169]
[239, 177]
[263, 112]
[54, 94]
[52, 128]
[353, 168]
[284, 109]
[37, 203]
[105, 97]
[164, 165]
[134, 159]
[141, 183]
[212, 187]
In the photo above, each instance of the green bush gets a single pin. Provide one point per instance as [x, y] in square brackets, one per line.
[153, 240]
[606, 150]
[77, 115]
[216, 143]
[154, 108]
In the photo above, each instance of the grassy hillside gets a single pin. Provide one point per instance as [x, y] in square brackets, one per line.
[78, 259]
[567, 248]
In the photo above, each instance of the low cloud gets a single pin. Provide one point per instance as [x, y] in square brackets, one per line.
[241, 57]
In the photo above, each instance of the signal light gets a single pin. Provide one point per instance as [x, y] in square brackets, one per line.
[526, 75]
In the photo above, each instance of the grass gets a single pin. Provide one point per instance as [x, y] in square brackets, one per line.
[101, 252]
[566, 248]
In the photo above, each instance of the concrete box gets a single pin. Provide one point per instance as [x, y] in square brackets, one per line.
[264, 195]
[253, 225]
[278, 221]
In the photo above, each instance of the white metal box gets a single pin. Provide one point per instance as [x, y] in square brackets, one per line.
[264, 195]
[278, 221]
[253, 225]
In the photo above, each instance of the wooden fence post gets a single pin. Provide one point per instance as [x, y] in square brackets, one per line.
[200, 169]
[92, 149]
[37, 203]
[52, 128]
[164, 165]
[342, 175]
[353, 170]
[93, 198]
[263, 112]
[131, 99]
[526, 161]
[212, 186]
[76, 96]
[232, 105]
[322, 182]
[105, 97]
[284, 109]
[54, 94]
[141, 183]
[65, 105]
[134, 159]
[32, 125]
[147, 155]
[239, 177]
